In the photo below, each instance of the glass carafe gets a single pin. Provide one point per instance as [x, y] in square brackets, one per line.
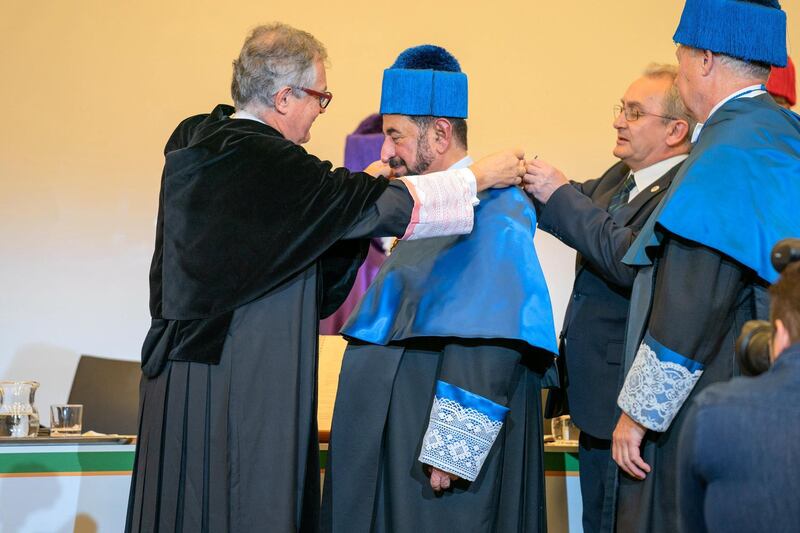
[18, 414]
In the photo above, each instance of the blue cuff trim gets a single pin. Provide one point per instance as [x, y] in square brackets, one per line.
[469, 400]
[461, 431]
[666, 355]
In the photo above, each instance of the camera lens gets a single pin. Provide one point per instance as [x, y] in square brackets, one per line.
[752, 347]
[785, 252]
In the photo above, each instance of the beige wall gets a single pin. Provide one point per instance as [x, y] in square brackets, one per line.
[92, 89]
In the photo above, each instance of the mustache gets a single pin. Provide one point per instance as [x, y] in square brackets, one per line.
[396, 162]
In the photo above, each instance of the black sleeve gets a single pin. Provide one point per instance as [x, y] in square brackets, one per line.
[480, 368]
[571, 217]
[695, 293]
[389, 216]
[696, 290]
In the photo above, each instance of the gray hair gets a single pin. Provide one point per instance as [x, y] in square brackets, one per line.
[745, 69]
[274, 56]
[673, 103]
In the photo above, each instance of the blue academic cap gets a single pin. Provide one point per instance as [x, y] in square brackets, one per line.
[425, 80]
[752, 30]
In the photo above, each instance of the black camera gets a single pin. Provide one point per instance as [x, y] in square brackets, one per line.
[753, 344]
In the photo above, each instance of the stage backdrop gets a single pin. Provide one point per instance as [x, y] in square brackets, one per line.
[92, 89]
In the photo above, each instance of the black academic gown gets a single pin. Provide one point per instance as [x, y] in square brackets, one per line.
[228, 433]
[696, 289]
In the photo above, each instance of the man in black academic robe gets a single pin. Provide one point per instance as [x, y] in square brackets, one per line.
[250, 252]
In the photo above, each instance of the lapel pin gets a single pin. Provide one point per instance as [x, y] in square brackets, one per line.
[655, 188]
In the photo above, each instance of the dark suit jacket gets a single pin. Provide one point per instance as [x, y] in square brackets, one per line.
[739, 453]
[594, 325]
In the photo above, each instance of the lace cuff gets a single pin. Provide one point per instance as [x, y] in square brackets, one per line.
[658, 383]
[443, 203]
[462, 428]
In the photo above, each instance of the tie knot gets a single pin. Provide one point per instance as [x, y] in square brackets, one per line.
[629, 183]
[620, 198]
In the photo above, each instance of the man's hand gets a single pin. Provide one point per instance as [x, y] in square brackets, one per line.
[379, 168]
[542, 179]
[440, 480]
[499, 170]
[626, 446]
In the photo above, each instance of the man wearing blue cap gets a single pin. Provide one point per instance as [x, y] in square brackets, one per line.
[437, 423]
[705, 251]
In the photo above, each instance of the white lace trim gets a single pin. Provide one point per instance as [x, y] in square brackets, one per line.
[443, 203]
[655, 390]
[458, 438]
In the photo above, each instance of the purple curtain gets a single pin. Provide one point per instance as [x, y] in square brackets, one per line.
[362, 147]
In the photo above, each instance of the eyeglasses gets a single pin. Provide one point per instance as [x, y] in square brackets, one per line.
[324, 97]
[633, 114]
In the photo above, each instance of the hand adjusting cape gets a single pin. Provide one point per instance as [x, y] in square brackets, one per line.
[241, 211]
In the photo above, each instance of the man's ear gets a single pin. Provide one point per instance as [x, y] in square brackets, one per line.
[677, 132]
[780, 339]
[443, 134]
[281, 100]
[707, 61]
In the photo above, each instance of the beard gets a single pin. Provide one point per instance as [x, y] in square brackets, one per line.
[421, 163]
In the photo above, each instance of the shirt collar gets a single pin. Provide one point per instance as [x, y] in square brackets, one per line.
[747, 92]
[462, 163]
[242, 114]
[645, 177]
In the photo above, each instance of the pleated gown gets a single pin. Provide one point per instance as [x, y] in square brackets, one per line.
[258, 403]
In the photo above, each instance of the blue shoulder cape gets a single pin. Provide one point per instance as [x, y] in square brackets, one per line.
[739, 190]
[487, 284]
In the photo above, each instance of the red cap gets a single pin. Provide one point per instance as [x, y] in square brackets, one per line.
[782, 82]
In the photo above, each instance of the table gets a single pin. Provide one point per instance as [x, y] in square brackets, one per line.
[82, 484]
[51, 485]
[67, 485]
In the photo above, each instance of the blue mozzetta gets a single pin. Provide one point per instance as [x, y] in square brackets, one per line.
[425, 80]
[428, 288]
[738, 191]
[753, 31]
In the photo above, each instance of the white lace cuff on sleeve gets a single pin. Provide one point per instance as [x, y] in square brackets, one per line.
[443, 203]
[462, 428]
[658, 384]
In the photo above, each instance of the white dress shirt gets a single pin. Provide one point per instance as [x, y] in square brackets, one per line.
[645, 177]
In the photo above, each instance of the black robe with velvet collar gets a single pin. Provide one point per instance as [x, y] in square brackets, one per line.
[242, 210]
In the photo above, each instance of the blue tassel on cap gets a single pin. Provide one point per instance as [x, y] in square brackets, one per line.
[425, 80]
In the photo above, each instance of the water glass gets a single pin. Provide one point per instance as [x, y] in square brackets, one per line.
[66, 420]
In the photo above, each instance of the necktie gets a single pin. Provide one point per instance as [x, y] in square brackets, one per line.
[620, 197]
